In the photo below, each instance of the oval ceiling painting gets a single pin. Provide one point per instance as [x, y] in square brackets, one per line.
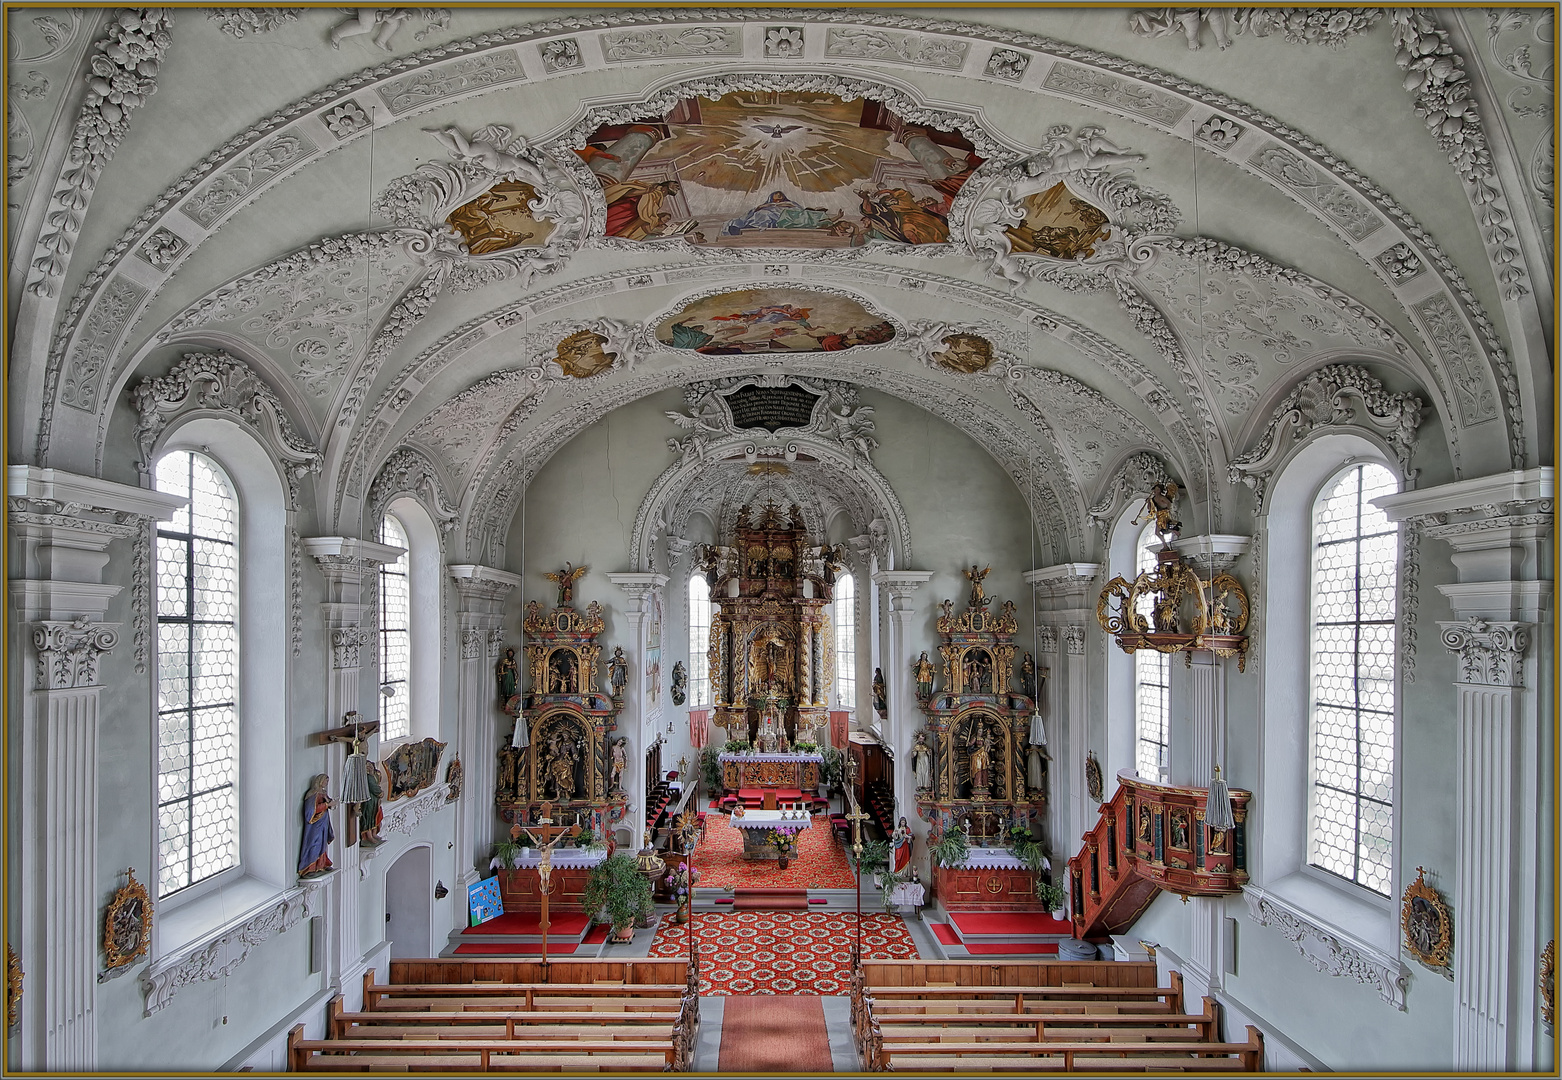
[779, 169]
[773, 320]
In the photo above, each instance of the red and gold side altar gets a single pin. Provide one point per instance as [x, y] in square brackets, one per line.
[561, 751]
[975, 759]
[988, 881]
[771, 661]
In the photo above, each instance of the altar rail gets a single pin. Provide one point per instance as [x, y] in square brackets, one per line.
[454, 971]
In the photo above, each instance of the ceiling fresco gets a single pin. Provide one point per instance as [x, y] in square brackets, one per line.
[772, 321]
[779, 168]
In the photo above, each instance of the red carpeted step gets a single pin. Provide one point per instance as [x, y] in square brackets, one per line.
[485, 948]
[770, 903]
[818, 900]
[597, 935]
[566, 923]
[1021, 948]
[943, 933]
[1019, 924]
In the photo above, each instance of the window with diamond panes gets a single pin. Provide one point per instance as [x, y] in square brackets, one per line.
[395, 636]
[1152, 682]
[197, 675]
[1354, 585]
[699, 641]
[845, 608]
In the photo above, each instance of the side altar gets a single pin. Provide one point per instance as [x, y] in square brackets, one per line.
[800, 771]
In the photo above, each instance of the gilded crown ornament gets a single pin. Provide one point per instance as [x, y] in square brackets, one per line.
[1171, 608]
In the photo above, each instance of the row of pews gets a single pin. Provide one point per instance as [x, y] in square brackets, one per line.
[612, 1025]
[1028, 1017]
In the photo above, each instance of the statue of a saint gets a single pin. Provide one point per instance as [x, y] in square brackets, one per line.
[923, 670]
[314, 854]
[504, 781]
[981, 775]
[922, 761]
[900, 845]
[620, 761]
[1028, 677]
[680, 683]
[1159, 506]
[559, 767]
[947, 607]
[617, 671]
[880, 693]
[1034, 769]
[507, 675]
[565, 580]
[979, 597]
[370, 813]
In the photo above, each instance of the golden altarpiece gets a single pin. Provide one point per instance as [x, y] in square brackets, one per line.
[984, 769]
[771, 661]
[561, 752]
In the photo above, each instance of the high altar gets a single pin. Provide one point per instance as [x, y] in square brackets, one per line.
[771, 662]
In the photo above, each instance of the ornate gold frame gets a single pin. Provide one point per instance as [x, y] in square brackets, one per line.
[131, 892]
[1439, 953]
[1548, 983]
[13, 985]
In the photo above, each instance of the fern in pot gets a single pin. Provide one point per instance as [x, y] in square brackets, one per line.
[616, 892]
[952, 848]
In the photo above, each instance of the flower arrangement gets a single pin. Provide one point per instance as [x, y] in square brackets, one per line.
[681, 881]
[782, 836]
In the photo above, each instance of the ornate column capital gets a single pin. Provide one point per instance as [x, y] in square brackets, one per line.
[1213, 553]
[345, 643]
[1065, 586]
[1047, 638]
[901, 586]
[638, 587]
[483, 589]
[1074, 639]
[1490, 653]
[68, 652]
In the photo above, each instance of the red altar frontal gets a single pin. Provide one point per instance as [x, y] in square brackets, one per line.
[520, 889]
[995, 888]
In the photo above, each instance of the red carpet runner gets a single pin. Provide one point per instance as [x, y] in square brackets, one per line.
[785, 1035]
[820, 862]
[783, 952]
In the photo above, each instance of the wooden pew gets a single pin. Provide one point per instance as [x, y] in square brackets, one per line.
[1065, 1056]
[487, 1055]
[1065, 1026]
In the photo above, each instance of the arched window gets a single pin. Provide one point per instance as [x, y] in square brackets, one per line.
[395, 636]
[699, 641]
[1152, 682]
[844, 607]
[1354, 592]
[197, 675]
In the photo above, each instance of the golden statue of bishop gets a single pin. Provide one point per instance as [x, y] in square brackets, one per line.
[565, 580]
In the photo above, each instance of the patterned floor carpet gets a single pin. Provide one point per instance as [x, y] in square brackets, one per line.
[820, 862]
[783, 952]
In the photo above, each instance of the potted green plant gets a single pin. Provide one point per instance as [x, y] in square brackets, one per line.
[710, 770]
[875, 857]
[951, 849]
[1050, 895]
[806, 747]
[617, 892]
[737, 746]
[506, 851]
[830, 771]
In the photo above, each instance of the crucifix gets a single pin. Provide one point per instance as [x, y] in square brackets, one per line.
[857, 817]
[352, 733]
[546, 836]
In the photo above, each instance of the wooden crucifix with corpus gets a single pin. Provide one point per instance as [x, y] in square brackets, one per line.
[546, 836]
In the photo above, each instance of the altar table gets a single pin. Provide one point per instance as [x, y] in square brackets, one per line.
[756, 823]
[990, 879]
[799, 771]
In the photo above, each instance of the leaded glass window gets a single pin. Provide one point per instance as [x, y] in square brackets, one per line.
[197, 675]
[1152, 682]
[395, 636]
[1354, 592]
[844, 607]
[699, 641]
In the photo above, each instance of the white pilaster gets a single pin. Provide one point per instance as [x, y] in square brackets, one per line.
[633, 720]
[900, 691]
[479, 713]
[346, 563]
[64, 526]
[1500, 530]
[1065, 602]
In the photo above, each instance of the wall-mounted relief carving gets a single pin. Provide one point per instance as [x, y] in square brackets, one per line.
[315, 309]
[218, 383]
[1444, 98]
[457, 433]
[917, 50]
[1320, 188]
[1007, 64]
[561, 54]
[37, 50]
[220, 955]
[784, 42]
[380, 25]
[1463, 365]
[1490, 653]
[1086, 424]
[1065, 207]
[1300, 26]
[773, 410]
[252, 22]
[777, 168]
[247, 175]
[122, 75]
[667, 43]
[1519, 41]
[505, 209]
[407, 472]
[1340, 395]
[1328, 952]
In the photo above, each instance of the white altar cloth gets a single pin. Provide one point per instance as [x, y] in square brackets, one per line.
[724, 758]
[563, 858]
[770, 819]
[991, 859]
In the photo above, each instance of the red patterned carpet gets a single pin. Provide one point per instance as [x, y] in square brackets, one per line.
[783, 952]
[820, 862]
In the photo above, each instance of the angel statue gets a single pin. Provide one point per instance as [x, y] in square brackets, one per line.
[1088, 148]
[565, 580]
[381, 24]
[491, 152]
[854, 429]
[1158, 507]
[979, 597]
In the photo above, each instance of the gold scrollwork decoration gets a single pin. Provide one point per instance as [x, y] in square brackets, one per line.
[13, 985]
[1126, 620]
[127, 924]
[1548, 983]
[1427, 924]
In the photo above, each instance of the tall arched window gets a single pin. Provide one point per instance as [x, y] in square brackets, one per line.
[1152, 682]
[395, 636]
[699, 641]
[1354, 592]
[844, 607]
[197, 675]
